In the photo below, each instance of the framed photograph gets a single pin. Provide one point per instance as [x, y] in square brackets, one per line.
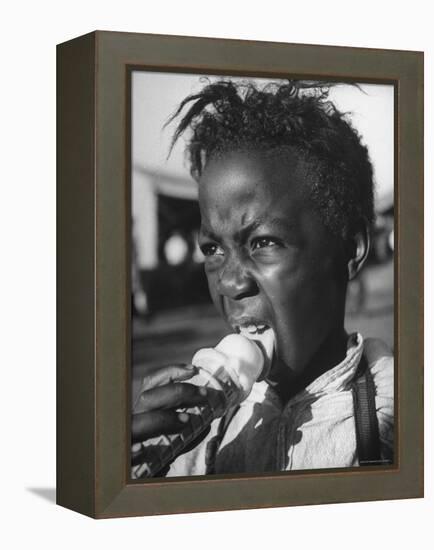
[240, 274]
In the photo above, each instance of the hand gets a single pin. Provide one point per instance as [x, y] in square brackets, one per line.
[162, 392]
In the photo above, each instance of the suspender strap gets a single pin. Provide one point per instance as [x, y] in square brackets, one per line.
[367, 433]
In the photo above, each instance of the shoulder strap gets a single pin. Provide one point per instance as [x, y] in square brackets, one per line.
[214, 443]
[365, 413]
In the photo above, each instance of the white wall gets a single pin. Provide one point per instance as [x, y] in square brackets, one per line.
[30, 31]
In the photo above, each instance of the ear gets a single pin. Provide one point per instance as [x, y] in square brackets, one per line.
[358, 249]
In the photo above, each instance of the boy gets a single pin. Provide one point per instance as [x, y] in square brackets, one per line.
[286, 201]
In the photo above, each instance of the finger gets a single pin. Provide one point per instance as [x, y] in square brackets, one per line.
[166, 375]
[170, 396]
[151, 424]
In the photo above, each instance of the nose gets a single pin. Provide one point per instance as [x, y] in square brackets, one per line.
[235, 280]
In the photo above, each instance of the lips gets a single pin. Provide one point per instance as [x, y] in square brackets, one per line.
[249, 326]
[252, 329]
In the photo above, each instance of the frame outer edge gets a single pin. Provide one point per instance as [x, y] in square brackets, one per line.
[411, 262]
[75, 410]
[114, 495]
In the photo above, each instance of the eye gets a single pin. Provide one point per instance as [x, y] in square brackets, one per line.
[211, 249]
[264, 242]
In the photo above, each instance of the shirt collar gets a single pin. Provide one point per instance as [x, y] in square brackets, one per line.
[335, 379]
[338, 377]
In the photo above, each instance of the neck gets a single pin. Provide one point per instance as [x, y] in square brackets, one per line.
[331, 352]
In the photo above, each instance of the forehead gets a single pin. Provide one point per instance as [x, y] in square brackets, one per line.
[252, 184]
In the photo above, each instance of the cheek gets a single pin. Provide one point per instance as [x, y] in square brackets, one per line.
[312, 293]
[305, 303]
[212, 279]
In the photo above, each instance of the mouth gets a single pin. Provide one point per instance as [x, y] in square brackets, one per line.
[249, 326]
[251, 329]
[261, 333]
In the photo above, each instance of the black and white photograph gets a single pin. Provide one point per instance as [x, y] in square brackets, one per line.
[262, 275]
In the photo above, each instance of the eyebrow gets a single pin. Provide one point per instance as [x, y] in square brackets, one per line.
[272, 222]
[250, 227]
[207, 233]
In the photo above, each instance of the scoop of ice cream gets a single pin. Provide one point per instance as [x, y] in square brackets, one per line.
[241, 357]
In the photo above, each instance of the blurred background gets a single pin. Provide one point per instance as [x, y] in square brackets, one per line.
[172, 312]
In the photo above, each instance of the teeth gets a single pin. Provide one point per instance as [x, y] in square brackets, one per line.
[252, 329]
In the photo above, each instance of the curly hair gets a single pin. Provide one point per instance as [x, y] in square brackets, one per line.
[226, 116]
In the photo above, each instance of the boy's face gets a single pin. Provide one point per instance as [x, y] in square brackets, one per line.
[270, 263]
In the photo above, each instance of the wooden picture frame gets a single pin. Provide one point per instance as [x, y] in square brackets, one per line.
[93, 380]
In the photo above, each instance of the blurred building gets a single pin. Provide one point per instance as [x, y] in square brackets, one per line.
[167, 264]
